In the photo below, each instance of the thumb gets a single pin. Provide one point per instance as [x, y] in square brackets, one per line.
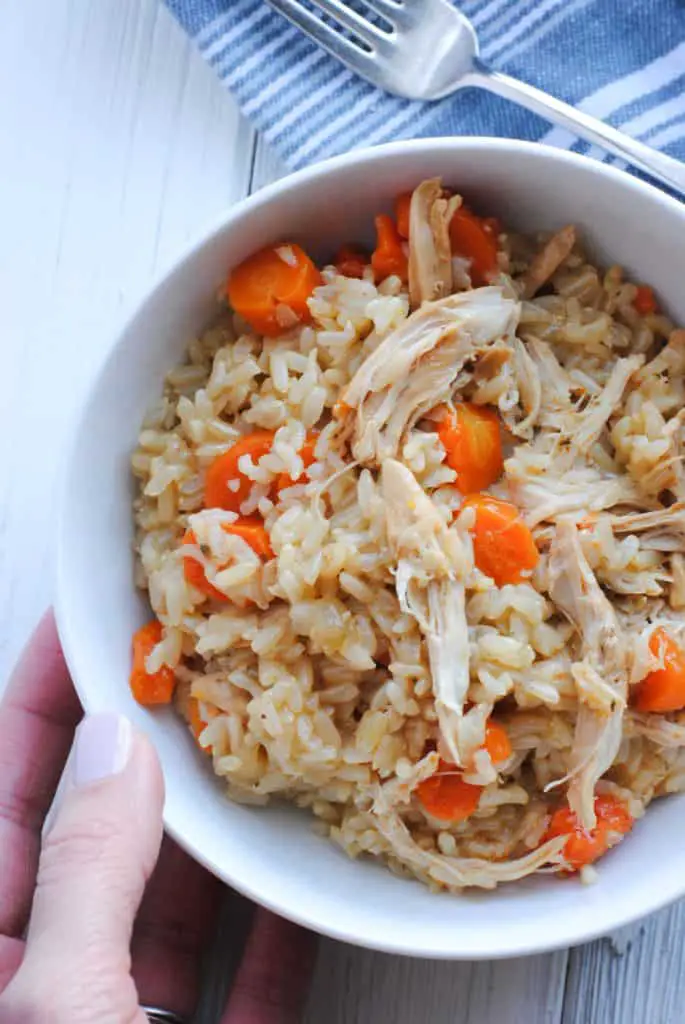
[93, 868]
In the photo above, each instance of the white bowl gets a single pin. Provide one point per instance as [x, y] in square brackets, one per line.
[272, 855]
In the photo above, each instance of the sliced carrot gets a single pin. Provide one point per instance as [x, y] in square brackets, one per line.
[150, 687]
[195, 574]
[493, 226]
[308, 457]
[446, 796]
[585, 846]
[270, 289]
[644, 301]
[351, 262]
[402, 208]
[497, 742]
[389, 257]
[474, 239]
[197, 726]
[663, 689]
[225, 486]
[250, 529]
[503, 546]
[473, 445]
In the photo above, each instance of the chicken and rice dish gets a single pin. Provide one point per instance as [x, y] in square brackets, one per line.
[412, 527]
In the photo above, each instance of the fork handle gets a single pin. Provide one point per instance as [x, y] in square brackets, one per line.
[667, 170]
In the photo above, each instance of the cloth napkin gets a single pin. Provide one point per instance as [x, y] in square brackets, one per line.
[621, 60]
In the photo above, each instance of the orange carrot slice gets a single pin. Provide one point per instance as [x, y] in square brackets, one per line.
[150, 687]
[308, 457]
[473, 445]
[251, 530]
[503, 546]
[644, 301]
[270, 289]
[389, 257]
[583, 846]
[663, 689]
[351, 262]
[476, 240]
[196, 724]
[402, 209]
[225, 486]
[446, 796]
[497, 742]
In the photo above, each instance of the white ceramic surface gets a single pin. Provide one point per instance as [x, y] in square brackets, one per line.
[271, 854]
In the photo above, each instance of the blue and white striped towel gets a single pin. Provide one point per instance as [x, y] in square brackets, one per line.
[621, 60]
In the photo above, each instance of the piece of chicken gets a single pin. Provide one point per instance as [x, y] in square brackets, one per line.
[415, 367]
[529, 386]
[432, 562]
[548, 260]
[564, 491]
[458, 872]
[658, 729]
[676, 595]
[574, 433]
[605, 662]
[590, 423]
[556, 408]
[660, 530]
[669, 361]
[430, 255]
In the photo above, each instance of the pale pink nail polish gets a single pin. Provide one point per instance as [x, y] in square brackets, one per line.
[102, 748]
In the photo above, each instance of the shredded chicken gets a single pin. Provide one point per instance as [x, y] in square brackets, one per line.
[459, 872]
[430, 256]
[529, 387]
[432, 562]
[670, 360]
[660, 530]
[555, 385]
[548, 260]
[491, 362]
[580, 489]
[605, 660]
[415, 368]
[676, 595]
[659, 730]
[596, 416]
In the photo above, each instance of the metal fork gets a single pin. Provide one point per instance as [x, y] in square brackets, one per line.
[427, 49]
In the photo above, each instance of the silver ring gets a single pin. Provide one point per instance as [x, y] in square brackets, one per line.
[156, 1015]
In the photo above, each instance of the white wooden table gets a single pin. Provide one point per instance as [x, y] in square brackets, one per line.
[116, 147]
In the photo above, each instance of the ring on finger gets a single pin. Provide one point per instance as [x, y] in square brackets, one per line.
[157, 1015]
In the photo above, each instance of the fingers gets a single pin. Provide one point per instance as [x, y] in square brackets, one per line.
[273, 979]
[11, 955]
[173, 929]
[93, 868]
[38, 715]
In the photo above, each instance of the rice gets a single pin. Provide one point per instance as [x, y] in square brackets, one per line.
[311, 682]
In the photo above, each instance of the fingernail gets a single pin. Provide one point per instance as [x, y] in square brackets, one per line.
[102, 748]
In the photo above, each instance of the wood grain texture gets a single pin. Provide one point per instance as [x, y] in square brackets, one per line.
[636, 976]
[117, 146]
[354, 985]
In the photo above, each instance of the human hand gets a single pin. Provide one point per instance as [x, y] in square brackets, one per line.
[107, 930]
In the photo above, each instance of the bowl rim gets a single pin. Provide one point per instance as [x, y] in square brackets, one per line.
[625, 912]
